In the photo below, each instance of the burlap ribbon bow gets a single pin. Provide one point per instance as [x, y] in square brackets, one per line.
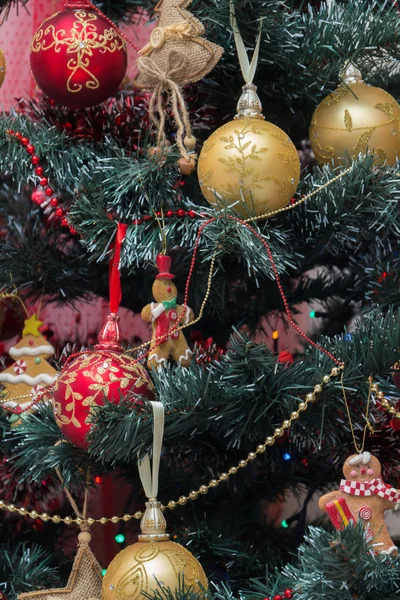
[163, 81]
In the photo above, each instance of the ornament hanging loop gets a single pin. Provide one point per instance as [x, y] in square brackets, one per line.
[249, 104]
[153, 523]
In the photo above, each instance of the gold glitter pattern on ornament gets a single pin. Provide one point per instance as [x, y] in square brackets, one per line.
[353, 119]
[243, 160]
[362, 142]
[94, 369]
[81, 42]
[137, 568]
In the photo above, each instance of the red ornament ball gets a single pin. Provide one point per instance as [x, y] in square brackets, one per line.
[87, 381]
[77, 58]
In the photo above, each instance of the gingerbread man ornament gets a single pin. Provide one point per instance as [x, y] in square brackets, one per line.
[164, 314]
[363, 496]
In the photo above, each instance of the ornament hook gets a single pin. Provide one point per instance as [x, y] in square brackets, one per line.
[249, 104]
[350, 74]
[153, 523]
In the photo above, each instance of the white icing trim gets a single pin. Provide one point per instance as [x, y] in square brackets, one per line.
[158, 310]
[185, 356]
[41, 378]
[12, 404]
[17, 352]
[187, 315]
[158, 360]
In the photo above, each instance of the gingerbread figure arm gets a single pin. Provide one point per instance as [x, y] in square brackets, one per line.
[326, 498]
[146, 314]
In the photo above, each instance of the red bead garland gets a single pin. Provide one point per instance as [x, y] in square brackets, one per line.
[288, 593]
[48, 192]
[169, 214]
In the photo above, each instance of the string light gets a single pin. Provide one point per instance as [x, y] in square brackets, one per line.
[312, 314]
[97, 479]
[275, 335]
[104, 571]
[287, 456]
[120, 538]
[284, 524]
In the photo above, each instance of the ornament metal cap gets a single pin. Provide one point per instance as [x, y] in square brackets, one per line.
[350, 74]
[249, 104]
[76, 4]
[153, 523]
[110, 337]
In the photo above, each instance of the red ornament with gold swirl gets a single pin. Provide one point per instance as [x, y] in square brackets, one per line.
[77, 58]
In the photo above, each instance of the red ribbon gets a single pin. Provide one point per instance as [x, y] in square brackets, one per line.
[115, 275]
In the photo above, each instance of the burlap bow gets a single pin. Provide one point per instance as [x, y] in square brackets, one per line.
[163, 83]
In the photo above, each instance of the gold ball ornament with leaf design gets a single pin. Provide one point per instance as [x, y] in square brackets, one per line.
[354, 118]
[249, 162]
[138, 568]
[2, 67]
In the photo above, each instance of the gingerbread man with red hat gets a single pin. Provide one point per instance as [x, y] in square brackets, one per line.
[363, 497]
[164, 315]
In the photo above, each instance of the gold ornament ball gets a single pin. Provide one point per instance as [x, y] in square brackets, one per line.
[249, 162]
[354, 117]
[138, 568]
[2, 67]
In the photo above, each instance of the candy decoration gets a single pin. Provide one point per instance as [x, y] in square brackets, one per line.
[366, 497]
[77, 58]
[21, 380]
[19, 367]
[365, 513]
[369, 535]
[165, 315]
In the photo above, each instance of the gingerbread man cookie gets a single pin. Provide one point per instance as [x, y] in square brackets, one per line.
[164, 314]
[363, 496]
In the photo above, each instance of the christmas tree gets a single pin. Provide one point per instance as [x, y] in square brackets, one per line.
[273, 213]
[25, 381]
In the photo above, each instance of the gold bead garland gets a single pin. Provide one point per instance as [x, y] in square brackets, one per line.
[203, 489]
[384, 402]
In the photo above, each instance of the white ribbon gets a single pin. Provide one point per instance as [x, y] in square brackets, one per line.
[148, 475]
[248, 69]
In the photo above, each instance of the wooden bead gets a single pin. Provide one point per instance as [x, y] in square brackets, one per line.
[187, 166]
[190, 142]
[84, 537]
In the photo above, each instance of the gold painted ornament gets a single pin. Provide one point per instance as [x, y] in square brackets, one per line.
[138, 568]
[154, 560]
[2, 67]
[354, 118]
[248, 164]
